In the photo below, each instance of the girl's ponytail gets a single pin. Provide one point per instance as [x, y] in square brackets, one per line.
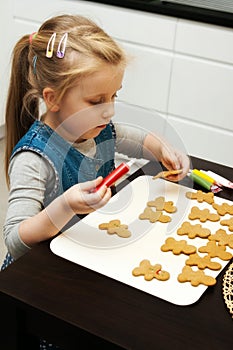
[19, 115]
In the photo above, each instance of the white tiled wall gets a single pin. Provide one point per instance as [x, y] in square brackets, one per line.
[200, 91]
[147, 78]
[179, 82]
[203, 40]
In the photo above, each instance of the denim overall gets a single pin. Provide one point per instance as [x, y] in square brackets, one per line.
[70, 166]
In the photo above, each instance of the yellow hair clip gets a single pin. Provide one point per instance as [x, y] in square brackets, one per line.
[49, 50]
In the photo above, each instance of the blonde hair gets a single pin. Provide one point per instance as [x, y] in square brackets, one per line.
[88, 46]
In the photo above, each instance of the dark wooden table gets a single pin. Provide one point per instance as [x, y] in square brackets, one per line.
[43, 295]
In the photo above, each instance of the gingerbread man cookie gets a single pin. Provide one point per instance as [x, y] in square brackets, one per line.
[150, 271]
[223, 209]
[178, 247]
[202, 262]
[193, 230]
[203, 215]
[201, 196]
[160, 204]
[115, 226]
[215, 250]
[195, 277]
[154, 216]
[166, 173]
[228, 222]
[222, 238]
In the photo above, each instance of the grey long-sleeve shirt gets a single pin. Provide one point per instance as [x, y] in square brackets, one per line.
[31, 177]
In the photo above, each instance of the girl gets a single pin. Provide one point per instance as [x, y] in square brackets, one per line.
[55, 160]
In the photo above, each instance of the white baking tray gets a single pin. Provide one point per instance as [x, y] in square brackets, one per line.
[116, 257]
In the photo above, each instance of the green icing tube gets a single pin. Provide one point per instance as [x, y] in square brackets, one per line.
[200, 181]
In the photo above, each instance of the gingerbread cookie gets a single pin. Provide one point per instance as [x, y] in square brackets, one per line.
[177, 247]
[215, 250]
[201, 196]
[150, 271]
[115, 226]
[228, 222]
[223, 209]
[154, 216]
[222, 238]
[195, 277]
[202, 262]
[166, 173]
[193, 230]
[203, 215]
[160, 204]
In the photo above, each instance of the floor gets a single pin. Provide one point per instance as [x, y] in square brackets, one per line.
[3, 200]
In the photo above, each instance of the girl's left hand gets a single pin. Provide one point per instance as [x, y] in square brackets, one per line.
[173, 159]
[157, 148]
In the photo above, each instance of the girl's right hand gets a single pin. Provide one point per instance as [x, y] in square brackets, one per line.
[83, 199]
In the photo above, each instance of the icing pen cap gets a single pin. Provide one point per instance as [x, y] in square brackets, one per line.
[116, 174]
[219, 179]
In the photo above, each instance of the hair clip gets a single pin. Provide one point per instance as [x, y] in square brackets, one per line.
[62, 46]
[49, 50]
[34, 64]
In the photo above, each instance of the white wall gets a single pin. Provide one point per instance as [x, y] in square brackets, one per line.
[179, 83]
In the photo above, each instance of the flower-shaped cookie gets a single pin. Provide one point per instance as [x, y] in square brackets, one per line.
[150, 271]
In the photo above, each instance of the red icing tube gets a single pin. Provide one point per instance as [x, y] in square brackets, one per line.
[116, 174]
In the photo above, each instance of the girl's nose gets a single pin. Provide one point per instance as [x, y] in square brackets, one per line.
[109, 110]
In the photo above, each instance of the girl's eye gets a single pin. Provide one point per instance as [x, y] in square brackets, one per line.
[101, 100]
[96, 102]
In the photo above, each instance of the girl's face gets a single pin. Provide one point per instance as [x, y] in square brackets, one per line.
[87, 108]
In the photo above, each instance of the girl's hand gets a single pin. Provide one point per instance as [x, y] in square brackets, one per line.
[157, 148]
[173, 159]
[83, 199]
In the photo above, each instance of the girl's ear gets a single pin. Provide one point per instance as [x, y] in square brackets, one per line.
[49, 96]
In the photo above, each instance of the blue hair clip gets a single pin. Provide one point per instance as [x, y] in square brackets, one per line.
[34, 64]
[62, 46]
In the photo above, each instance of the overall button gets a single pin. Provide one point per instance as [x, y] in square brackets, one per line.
[97, 167]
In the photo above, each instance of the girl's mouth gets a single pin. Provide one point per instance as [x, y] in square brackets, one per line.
[102, 126]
